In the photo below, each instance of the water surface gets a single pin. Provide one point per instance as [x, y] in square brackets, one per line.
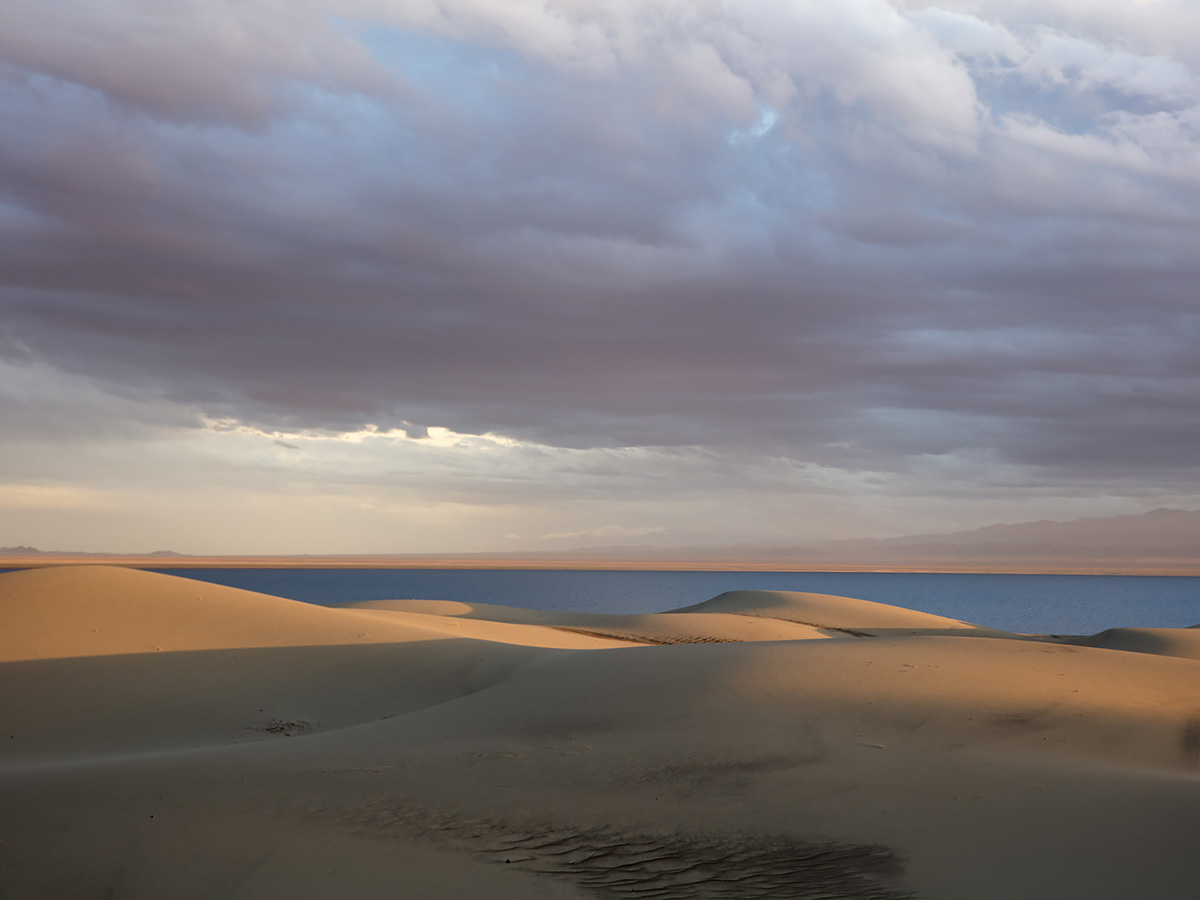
[1041, 604]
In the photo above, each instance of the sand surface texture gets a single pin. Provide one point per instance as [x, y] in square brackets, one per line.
[162, 737]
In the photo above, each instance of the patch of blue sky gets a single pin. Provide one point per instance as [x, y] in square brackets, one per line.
[1068, 106]
[767, 120]
[787, 174]
[326, 123]
[1057, 105]
[462, 92]
[458, 72]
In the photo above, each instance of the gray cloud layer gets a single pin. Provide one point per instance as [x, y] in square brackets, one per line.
[852, 234]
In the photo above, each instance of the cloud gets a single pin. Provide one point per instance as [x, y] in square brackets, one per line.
[31, 497]
[204, 63]
[857, 236]
[605, 532]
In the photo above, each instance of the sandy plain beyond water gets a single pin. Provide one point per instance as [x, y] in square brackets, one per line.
[167, 738]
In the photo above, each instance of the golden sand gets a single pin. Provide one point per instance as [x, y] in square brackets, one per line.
[168, 738]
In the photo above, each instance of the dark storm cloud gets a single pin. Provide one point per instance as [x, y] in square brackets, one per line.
[844, 236]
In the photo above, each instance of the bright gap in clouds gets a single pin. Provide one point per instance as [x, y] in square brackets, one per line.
[767, 121]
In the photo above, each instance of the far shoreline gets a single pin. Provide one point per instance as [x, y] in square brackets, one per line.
[1148, 567]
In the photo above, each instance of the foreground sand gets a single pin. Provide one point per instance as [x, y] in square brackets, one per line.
[167, 738]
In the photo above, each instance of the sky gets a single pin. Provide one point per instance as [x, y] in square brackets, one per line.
[381, 276]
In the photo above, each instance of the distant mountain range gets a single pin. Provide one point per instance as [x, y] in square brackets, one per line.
[1160, 534]
[1164, 540]
[1163, 534]
[34, 551]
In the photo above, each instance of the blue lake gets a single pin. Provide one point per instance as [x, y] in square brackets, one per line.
[1042, 604]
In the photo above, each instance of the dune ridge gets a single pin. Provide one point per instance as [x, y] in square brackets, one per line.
[167, 737]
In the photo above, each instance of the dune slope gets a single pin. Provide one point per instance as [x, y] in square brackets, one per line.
[167, 738]
[1182, 642]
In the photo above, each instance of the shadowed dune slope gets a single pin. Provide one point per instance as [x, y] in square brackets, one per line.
[660, 628]
[103, 661]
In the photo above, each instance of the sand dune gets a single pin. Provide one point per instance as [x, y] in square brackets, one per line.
[675, 627]
[163, 737]
[1183, 642]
